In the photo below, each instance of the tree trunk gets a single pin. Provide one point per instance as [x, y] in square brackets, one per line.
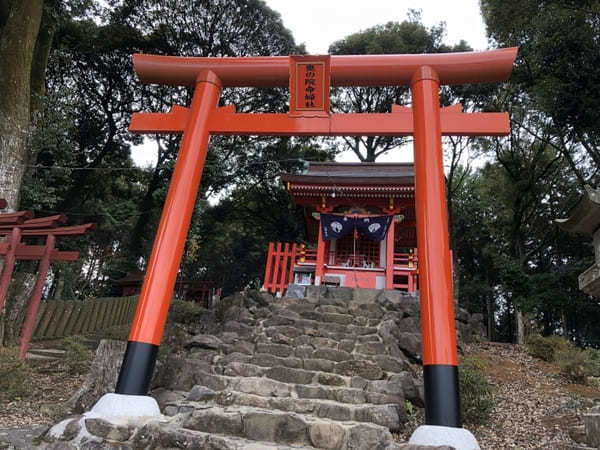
[16, 304]
[491, 320]
[17, 45]
[563, 318]
[520, 329]
[102, 377]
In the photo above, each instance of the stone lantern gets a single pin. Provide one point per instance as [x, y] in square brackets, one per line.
[585, 218]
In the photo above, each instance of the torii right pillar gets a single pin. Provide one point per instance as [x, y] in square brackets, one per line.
[440, 359]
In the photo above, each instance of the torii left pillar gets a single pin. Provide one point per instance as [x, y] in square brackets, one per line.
[155, 297]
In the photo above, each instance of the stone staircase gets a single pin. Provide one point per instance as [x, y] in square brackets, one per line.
[326, 371]
[331, 371]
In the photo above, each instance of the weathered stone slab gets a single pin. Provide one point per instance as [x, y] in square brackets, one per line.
[215, 420]
[330, 379]
[331, 354]
[364, 369]
[266, 360]
[235, 369]
[201, 394]
[261, 386]
[205, 341]
[322, 365]
[365, 436]
[389, 416]
[106, 429]
[275, 349]
[326, 435]
[289, 375]
[282, 427]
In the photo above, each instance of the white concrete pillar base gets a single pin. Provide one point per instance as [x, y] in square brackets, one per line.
[459, 438]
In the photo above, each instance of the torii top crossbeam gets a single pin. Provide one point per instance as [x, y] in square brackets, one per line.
[346, 70]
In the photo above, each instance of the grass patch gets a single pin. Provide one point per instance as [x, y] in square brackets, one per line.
[186, 312]
[545, 348]
[576, 365]
[15, 375]
[476, 398]
[78, 357]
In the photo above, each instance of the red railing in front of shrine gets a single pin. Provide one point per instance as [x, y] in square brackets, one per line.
[283, 257]
[405, 270]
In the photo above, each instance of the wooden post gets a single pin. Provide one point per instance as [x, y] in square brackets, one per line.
[276, 264]
[389, 256]
[320, 264]
[292, 264]
[36, 297]
[9, 264]
[284, 269]
[269, 267]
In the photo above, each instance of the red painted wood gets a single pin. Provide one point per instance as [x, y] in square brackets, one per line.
[269, 267]
[319, 265]
[36, 296]
[292, 263]
[161, 274]
[62, 231]
[42, 222]
[284, 268]
[346, 70]
[226, 123]
[437, 306]
[276, 268]
[15, 218]
[389, 256]
[35, 252]
[9, 264]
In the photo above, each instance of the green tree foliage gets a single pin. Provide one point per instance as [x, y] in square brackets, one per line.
[557, 66]
[199, 28]
[409, 36]
[83, 166]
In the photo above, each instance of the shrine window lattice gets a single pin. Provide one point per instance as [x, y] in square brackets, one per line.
[359, 252]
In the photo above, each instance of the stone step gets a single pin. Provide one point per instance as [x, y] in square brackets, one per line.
[280, 427]
[292, 335]
[334, 376]
[360, 391]
[335, 318]
[391, 416]
[366, 310]
[153, 435]
[319, 328]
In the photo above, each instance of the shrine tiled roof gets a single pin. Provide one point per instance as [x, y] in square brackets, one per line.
[327, 173]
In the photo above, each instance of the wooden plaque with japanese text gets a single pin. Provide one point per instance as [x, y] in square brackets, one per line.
[309, 85]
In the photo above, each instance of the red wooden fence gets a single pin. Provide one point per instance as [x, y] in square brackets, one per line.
[282, 257]
[279, 270]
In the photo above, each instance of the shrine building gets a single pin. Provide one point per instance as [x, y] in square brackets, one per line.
[360, 225]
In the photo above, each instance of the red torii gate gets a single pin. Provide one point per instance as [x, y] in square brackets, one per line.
[309, 115]
[13, 227]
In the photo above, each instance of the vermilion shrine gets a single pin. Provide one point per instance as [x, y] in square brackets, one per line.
[309, 79]
[359, 192]
[13, 228]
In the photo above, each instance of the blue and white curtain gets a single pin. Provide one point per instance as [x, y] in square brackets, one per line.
[335, 226]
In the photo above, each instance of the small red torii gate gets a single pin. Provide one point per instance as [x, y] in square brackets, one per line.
[14, 226]
[309, 79]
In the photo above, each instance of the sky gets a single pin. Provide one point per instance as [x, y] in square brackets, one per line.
[318, 23]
